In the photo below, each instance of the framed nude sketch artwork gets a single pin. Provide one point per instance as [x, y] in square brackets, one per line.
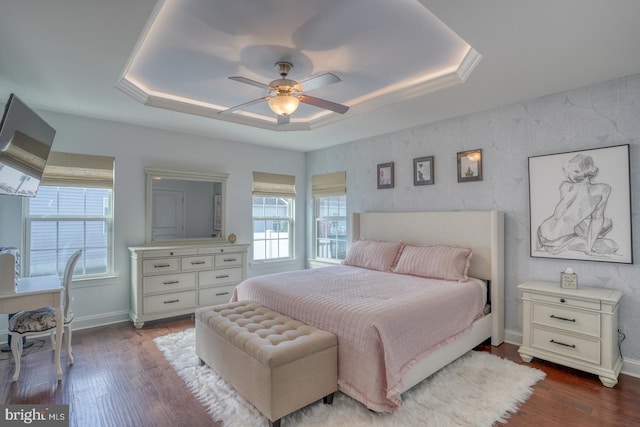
[580, 205]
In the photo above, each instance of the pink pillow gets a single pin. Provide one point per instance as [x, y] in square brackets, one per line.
[373, 254]
[436, 262]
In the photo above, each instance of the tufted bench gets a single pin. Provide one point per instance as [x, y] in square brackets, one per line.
[275, 362]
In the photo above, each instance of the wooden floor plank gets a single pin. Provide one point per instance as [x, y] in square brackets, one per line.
[120, 379]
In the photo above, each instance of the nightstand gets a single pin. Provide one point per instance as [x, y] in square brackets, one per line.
[573, 327]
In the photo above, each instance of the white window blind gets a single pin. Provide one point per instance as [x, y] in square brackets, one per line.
[330, 184]
[271, 184]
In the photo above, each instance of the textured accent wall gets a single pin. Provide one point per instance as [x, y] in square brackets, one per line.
[601, 115]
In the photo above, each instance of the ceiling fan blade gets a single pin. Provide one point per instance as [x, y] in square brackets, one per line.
[283, 120]
[250, 82]
[317, 81]
[245, 105]
[323, 103]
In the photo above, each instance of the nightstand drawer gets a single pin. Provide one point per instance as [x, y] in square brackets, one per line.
[583, 322]
[567, 301]
[566, 344]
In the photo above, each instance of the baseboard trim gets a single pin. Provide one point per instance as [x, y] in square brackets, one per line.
[630, 367]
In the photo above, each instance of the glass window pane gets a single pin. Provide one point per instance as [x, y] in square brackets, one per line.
[45, 203]
[71, 201]
[98, 202]
[44, 235]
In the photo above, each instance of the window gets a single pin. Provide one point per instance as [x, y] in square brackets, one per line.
[273, 216]
[331, 228]
[272, 228]
[61, 220]
[72, 210]
[330, 216]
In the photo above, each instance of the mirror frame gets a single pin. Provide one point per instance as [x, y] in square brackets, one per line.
[155, 173]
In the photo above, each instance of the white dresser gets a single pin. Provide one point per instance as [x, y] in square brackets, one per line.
[573, 327]
[170, 281]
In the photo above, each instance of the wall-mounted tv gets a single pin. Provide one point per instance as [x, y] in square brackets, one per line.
[25, 143]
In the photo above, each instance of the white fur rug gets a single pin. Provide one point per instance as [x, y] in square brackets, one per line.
[478, 389]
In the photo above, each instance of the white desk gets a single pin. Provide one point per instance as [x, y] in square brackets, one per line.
[35, 292]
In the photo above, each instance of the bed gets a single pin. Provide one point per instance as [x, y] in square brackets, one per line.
[387, 340]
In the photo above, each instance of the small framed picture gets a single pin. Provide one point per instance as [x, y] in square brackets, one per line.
[470, 165]
[423, 171]
[385, 175]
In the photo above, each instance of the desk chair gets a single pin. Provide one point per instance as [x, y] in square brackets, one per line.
[43, 319]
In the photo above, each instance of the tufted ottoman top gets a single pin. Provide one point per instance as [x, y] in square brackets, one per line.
[266, 335]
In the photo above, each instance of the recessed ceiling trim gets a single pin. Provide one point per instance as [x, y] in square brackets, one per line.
[133, 90]
[468, 64]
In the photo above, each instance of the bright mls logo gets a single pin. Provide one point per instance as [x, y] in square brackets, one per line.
[35, 415]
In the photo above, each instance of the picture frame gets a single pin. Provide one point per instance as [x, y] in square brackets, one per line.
[470, 165]
[385, 175]
[580, 205]
[423, 172]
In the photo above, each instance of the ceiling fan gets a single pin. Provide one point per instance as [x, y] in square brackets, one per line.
[285, 94]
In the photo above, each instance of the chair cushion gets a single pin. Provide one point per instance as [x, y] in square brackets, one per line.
[38, 320]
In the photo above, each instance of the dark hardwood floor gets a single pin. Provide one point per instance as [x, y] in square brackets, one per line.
[121, 379]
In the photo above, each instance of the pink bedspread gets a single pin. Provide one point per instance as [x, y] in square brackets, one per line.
[384, 322]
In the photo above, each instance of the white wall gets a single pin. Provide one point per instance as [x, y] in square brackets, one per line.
[134, 148]
[602, 115]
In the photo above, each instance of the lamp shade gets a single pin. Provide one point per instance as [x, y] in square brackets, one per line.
[284, 104]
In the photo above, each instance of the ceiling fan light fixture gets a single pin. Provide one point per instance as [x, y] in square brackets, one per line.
[283, 104]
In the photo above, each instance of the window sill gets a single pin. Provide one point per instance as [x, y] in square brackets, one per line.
[266, 264]
[88, 282]
[317, 263]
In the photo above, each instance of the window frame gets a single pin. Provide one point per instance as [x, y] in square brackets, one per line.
[291, 223]
[107, 220]
[317, 218]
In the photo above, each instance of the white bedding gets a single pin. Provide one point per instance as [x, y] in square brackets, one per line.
[384, 322]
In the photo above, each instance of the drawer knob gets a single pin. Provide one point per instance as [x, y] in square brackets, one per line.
[562, 300]
[561, 343]
[553, 316]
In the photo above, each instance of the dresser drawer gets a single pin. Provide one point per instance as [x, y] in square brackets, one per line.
[215, 296]
[583, 322]
[197, 263]
[169, 282]
[162, 253]
[228, 260]
[169, 302]
[567, 301]
[565, 344]
[220, 277]
[160, 265]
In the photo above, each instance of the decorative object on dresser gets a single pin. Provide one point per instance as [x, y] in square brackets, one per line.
[169, 281]
[580, 205]
[573, 327]
[568, 279]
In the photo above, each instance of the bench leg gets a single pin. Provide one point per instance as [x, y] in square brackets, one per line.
[275, 423]
[328, 399]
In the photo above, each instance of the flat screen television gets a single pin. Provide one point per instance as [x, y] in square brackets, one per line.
[25, 144]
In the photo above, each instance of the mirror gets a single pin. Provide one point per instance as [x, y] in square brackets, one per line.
[185, 207]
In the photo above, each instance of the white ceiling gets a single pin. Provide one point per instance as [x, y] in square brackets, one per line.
[72, 56]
